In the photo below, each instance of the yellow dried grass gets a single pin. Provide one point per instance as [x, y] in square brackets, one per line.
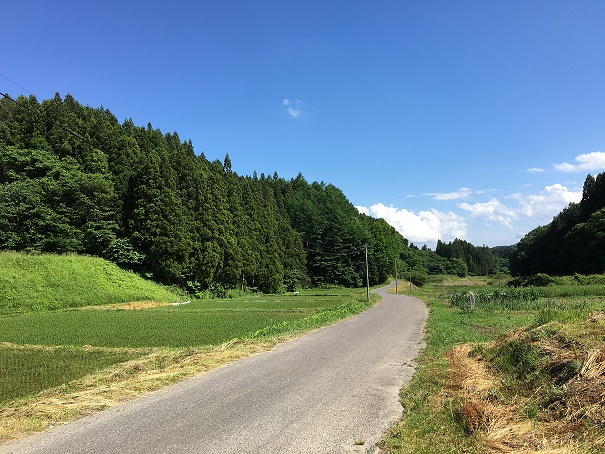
[504, 428]
[123, 382]
[469, 375]
[594, 366]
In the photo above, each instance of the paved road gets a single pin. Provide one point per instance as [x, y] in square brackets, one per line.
[320, 393]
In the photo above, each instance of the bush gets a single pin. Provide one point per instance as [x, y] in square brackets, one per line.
[539, 280]
[419, 278]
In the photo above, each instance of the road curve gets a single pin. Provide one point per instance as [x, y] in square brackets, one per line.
[321, 393]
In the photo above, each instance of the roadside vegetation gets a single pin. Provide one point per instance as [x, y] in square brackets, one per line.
[79, 334]
[524, 371]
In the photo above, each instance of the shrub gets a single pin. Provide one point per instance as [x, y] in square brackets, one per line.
[419, 278]
[539, 280]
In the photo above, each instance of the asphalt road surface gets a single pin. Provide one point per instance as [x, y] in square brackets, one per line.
[334, 390]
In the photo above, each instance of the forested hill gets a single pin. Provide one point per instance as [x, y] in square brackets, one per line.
[574, 242]
[479, 261]
[75, 179]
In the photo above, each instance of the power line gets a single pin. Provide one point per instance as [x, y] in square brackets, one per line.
[15, 83]
[335, 253]
[69, 131]
[23, 106]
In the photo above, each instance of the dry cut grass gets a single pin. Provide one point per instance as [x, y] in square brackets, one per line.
[133, 306]
[118, 384]
[571, 406]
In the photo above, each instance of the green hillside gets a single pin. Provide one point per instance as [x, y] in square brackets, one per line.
[574, 242]
[75, 180]
[48, 281]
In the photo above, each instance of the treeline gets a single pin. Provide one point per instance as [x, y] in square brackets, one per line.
[574, 242]
[75, 179]
[464, 258]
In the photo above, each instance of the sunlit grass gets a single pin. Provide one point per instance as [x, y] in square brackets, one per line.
[55, 339]
[30, 369]
[432, 423]
[49, 282]
[142, 328]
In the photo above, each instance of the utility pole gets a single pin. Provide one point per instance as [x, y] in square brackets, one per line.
[395, 276]
[367, 276]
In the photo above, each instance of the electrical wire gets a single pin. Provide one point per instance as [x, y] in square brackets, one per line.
[15, 83]
[23, 106]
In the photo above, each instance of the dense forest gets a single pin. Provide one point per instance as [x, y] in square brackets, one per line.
[74, 179]
[574, 242]
[469, 259]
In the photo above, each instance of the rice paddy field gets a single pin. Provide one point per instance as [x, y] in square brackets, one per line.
[35, 345]
[54, 335]
[158, 327]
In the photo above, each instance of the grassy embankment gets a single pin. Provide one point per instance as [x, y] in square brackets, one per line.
[523, 372]
[77, 334]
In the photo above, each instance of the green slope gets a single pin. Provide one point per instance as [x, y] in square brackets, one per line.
[48, 282]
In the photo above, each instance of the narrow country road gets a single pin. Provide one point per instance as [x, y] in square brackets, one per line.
[327, 392]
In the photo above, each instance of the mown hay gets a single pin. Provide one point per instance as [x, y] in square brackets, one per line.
[558, 408]
[115, 385]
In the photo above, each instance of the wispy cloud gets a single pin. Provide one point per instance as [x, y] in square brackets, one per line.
[462, 193]
[289, 105]
[421, 227]
[585, 163]
[535, 170]
[295, 113]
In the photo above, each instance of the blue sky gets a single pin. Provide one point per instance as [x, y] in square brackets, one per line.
[471, 119]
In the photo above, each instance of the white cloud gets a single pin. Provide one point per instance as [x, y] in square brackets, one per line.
[517, 214]
[585, 163]
[424, 227]
[547, 203]
[292, 111]
[295, 113]
[540, 207]
[462, 193]
[535, 170]
[492, 211]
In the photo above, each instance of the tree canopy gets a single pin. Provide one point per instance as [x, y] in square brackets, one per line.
[574, 242]
[75, 179]
[478, 261]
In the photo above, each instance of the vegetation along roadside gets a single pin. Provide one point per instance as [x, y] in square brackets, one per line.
[62, 358]
[522, 372]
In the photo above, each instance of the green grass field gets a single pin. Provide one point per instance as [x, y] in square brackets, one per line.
[536, 341]
[60, 321]
[140, 328]
[44, 282]
[30, 369]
